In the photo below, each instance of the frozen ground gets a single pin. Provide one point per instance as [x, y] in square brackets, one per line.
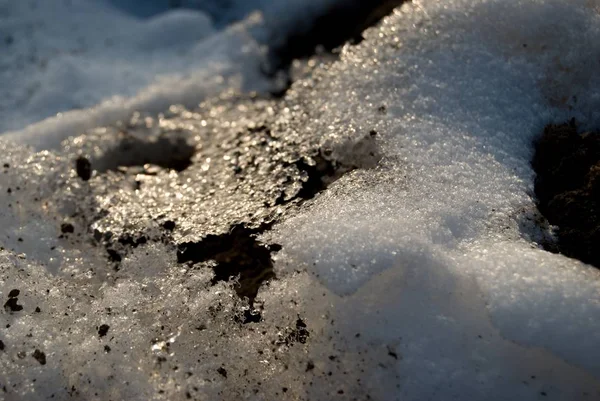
[379, 219]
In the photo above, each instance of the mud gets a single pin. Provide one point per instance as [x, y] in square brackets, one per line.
[567, 186]
[335, 25]
[237, 255]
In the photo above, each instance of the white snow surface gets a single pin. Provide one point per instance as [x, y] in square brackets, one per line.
[61, 58]
[83, 64]
[428, 267]
[437, 248]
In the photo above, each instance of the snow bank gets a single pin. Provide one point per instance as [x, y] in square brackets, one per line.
[61, 56]
[457, 92]
[84, 64]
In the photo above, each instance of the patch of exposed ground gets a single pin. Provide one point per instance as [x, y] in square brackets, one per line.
[334, 24]
[567, 164]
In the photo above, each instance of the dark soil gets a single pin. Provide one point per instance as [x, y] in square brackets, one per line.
[83, 168]
[299, 334]
[237, 254]
[39, 356]
[340, 22]
[222, 372]
[169, 225]
[103, 330]
[567, 164]
[319, 176]
[12, 304]
[67, 228]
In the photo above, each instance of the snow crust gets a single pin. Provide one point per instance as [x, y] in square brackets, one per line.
[422, 278]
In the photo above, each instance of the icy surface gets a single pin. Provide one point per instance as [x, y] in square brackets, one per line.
[414, 274]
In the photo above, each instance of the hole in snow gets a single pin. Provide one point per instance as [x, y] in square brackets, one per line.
[237, 255]
[169, 151]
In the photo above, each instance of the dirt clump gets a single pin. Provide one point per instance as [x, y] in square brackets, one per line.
[237, 253]
[567, 186]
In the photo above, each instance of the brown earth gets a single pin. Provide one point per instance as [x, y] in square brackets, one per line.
[567, 186]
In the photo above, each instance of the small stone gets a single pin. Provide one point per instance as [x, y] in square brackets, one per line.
[103, 329]
[83, 168]
[222, 372]
[39, 356]
[66, 228]
[169, 225]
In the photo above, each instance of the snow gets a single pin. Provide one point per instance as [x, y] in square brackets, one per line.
[421, 278]
[91, 63]
[99, 56]
[465, 98]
